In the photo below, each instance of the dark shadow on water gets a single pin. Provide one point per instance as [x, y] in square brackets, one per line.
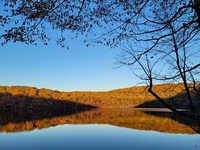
[189, 119]
[179, 102]
[22, 113]
[126, 118]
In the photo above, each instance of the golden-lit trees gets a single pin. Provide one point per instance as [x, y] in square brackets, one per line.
[164, 33]
[121, 98]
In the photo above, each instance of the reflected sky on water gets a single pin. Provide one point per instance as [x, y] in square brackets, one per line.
[97, 137]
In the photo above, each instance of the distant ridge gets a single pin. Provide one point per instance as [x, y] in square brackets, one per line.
[118, 98]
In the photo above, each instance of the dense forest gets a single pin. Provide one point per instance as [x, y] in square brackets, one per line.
[22, 97]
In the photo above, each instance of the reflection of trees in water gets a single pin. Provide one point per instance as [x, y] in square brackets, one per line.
[179, 101]
[187, 118]
[21, 113]
[128, 118]
[24, 112]
[32, 115]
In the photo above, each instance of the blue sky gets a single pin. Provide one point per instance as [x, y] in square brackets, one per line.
[80, 68]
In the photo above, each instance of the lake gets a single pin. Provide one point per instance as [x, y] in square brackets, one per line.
[97, 129]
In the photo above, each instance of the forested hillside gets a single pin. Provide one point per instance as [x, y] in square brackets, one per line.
[23, 97]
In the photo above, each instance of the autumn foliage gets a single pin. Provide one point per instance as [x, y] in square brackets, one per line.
[26, 108]
[22, 96]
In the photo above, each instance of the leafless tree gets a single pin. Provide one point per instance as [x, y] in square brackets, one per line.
[177, 63]
[165, 33]
[119, 20]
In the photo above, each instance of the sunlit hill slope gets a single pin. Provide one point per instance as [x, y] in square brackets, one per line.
[29, 97]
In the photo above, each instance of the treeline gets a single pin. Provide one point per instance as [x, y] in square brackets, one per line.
[120, 98]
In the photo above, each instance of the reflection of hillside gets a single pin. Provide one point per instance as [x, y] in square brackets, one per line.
[181, 102]
[187, 118]
[16, 109]
[27, 108]
[128, 118]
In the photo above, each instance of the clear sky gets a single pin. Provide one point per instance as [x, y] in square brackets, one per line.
[80, 68]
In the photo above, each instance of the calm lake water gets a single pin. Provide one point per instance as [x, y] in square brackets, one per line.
[100, 129]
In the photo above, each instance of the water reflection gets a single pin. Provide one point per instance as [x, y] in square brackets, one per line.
[128, 118]
[97, 137]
